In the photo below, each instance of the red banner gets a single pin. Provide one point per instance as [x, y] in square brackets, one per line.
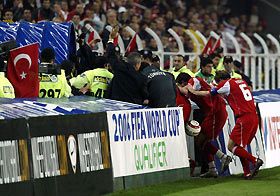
[23, 70]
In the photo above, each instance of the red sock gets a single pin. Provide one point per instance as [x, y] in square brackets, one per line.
[245, 165]
[208, 157]
[210, 148]
[242, 153]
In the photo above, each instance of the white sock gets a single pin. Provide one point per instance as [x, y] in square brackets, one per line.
[220, 154]
[212, 165]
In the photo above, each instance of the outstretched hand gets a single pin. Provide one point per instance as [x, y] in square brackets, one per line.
[114, 33]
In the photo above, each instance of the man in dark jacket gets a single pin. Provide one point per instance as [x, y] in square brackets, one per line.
[128, 84]
[161, 85]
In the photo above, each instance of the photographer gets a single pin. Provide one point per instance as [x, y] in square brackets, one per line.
[87, 57]
[51, 85]
[6, 88]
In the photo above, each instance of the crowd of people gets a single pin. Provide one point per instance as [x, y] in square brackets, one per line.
[160, 15]
[137, 78]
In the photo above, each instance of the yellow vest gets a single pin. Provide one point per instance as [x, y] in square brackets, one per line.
[6, 88]
[54, 86]
[98, 79]
[182, 69]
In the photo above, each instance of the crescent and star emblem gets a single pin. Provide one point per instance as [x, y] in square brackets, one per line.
[23, 56]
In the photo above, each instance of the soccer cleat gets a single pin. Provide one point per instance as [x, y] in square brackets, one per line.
[256, 167]
[225, 164]
[210, 174]
[247, 177]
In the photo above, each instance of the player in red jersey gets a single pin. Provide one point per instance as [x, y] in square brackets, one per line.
[240, 99]
[214, 109]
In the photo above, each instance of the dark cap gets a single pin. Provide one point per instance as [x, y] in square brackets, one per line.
[155, 58]
[146, 54]
[186, 58]
[238, 64]
[228, 59]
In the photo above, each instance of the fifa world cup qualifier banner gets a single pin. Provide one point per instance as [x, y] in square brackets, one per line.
[149, 140]
[270, 127]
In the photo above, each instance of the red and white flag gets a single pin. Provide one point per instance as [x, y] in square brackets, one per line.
[131, 46]
[208, 47]
[217, 44]
[91, 37]
[22, 70]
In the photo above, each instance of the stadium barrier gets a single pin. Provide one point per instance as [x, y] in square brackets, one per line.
[55, 155]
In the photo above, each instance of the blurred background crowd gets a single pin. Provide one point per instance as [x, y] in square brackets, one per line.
[159, 15]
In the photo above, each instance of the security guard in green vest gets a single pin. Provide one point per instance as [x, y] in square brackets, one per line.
[228, 66]
[205, 72]
[179, 66]
[98, 78]
[52, 86]
[6, 88]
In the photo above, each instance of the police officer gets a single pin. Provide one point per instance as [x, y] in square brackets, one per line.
[98, 78]
[179, 66]
[6, 88]
[52, 86]
[161, 85]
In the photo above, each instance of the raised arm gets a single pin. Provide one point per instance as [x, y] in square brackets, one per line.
[198, 93]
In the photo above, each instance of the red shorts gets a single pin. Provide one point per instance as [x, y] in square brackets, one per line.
[245, 129]
[213, 124]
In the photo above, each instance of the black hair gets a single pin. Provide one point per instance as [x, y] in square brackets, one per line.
[47, 55]
[67, 65]
[213, 55]
[100, 61]
[204, 61]
[238, 64]
[183, 77]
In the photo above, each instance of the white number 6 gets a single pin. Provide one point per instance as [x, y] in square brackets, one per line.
[246, 92]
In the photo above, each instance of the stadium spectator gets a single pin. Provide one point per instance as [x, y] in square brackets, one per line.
[215, 118]
[179, 66]
[161, 85]
[27, 15]
[8, 16]
[128, 84]
[52, 86]
[45, 13]
[240, 99]
[17, 9]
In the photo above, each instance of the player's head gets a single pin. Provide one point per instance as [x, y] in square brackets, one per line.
[182, 79]
[206, 65]
[156, 60]
[221, 76]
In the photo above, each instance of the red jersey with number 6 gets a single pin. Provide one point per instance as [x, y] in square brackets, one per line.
[238, 96]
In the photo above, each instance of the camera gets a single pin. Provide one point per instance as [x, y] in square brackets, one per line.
[47, 68]
[5, 48]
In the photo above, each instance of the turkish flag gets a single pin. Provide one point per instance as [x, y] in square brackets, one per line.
[208, 47]
[22, 70]
[131, 46]
[217, 44]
